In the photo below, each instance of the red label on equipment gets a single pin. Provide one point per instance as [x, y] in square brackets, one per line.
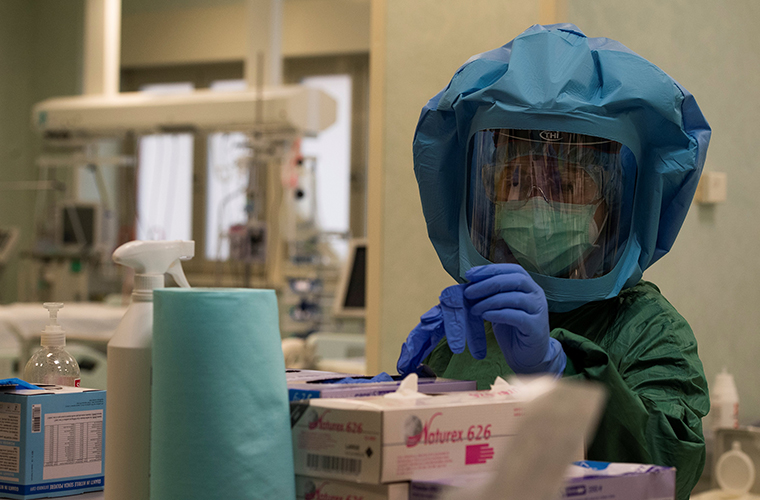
[77, 382]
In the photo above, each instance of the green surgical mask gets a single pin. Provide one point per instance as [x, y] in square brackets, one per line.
[547, 238]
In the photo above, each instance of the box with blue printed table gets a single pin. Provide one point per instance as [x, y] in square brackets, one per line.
[51, 442]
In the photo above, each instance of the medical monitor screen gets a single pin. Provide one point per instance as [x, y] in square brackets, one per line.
[8, 237]
[75, 217]
[352, 289]
[356, 286]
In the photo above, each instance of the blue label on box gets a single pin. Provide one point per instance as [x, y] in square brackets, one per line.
[590, 464]
[54, 487]
[299, 394]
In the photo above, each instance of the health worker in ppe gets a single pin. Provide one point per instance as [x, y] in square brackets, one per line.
[552, 172]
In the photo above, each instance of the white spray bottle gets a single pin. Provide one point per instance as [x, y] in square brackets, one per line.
[129, 367]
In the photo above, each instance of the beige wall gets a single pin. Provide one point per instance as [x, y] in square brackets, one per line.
[200, 34]
[416, 48]
[712, 275]
[209, 33]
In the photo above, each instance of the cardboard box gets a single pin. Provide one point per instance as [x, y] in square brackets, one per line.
[613, 481]
[296, 376]
[584, 481]
[322, 388]
[384, 440]
[312, 488]
[51, 442]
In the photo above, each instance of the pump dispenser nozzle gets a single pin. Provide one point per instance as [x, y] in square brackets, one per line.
[53, 308]
[53, 334]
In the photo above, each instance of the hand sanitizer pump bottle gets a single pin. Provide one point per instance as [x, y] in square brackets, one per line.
[52, 364]
[127, 474]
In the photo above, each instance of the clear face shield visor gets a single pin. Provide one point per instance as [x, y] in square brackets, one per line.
[549, 201]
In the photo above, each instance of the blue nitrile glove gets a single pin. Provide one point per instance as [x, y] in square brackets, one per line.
[421, 341]
[452, 319]
[507, 296]
[380, 377]
[461, 325]
[17, 383]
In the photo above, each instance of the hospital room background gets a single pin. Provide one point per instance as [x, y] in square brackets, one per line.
[336, 230]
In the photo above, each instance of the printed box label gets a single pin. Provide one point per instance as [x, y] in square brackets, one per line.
[10, 421]
[9, 459]
[73, 444]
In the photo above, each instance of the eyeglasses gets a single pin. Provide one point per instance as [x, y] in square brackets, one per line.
[524, 177]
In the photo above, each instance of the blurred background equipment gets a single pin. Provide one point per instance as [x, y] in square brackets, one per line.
[337, 352]
[80, 225]
[350, 301]
[732, 461]
[8, 240]
[260, 122]
[264, 175]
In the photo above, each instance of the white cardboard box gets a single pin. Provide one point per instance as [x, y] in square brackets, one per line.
[383, 440]
[583, 481]
[313, 488]
[323, 389]
[298, 376]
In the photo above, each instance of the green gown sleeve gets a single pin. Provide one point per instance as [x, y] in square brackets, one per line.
[645, 353]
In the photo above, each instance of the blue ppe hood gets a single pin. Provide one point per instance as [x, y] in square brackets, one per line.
[555, 78]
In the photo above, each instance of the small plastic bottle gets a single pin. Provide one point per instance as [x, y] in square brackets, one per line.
[52, 364]
[724, 402]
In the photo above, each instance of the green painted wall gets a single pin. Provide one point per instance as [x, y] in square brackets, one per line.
[40, 57]
[16, 94]
[711, 275]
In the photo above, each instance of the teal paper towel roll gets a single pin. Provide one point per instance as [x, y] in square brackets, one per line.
[220, 416]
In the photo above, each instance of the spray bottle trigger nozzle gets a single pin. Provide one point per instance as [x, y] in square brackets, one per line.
[176, 272]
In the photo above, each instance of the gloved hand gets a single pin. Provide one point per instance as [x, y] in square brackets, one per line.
[507, 296]
[451, 318]
[421, 341]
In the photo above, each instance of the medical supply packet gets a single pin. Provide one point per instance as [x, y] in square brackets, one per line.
[314, 488]
[326, 388]
[404, 435]
[585, 480]
[51, 441]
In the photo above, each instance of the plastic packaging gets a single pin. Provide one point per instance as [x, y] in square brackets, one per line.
[129, 367]
[52, 364]
[724, 402]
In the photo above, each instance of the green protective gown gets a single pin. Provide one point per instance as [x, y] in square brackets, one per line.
[645, 353]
